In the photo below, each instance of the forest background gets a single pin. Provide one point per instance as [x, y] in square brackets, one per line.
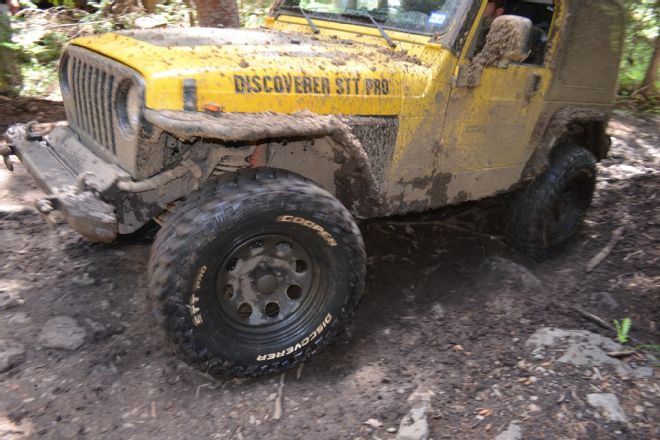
[32, 36]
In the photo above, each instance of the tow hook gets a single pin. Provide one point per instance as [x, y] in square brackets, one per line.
[45, 208]
[5, 151]
[29, 135]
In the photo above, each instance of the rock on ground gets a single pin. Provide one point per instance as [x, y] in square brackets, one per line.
[610, 406]
[513, 432]
[414, 425]
[8, 300]
[62, 332]
[11, 354]
[15, 430]
[516, 276]
[20, 318]
[583, 349]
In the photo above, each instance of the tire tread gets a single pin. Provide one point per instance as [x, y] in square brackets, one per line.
[230, 193]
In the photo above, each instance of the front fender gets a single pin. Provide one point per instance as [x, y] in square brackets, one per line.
[274, 128]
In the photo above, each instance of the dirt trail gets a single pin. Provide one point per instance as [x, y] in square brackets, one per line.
[445, 319]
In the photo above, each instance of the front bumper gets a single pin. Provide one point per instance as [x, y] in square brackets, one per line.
[72, 177]
[96, 197]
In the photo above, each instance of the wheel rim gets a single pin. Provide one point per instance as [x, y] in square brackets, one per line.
[568, 209]
[266, 280]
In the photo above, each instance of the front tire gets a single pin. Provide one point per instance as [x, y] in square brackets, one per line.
[545, 215]
[257, 274]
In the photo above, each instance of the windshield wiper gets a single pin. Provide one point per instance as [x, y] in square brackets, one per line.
[308, 18]
[378, 26]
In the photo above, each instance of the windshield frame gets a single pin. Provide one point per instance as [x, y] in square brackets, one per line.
[362, 20]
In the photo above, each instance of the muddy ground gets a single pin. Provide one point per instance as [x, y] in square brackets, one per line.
[445, 319]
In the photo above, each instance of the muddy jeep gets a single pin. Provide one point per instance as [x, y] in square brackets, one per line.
[257, 150]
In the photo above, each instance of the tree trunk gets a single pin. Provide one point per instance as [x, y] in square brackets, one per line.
[651, 77]
[217, 13]
[150, 5]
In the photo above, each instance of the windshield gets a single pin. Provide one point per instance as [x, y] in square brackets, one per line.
[426, 17]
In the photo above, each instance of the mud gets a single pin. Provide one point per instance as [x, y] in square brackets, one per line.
[91, 218]
[260, 127]
[502, 48]
[400, 55]
[436, 188]
[24, 110]
[566, 125]
[173, 37]
[378, 139]
[582, 45]
[447, 310]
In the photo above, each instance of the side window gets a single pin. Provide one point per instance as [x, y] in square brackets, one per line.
[540, 12]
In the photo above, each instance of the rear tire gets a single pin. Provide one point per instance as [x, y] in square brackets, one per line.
[546, 214]
[256, 274]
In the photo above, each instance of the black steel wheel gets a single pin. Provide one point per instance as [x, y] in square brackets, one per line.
[546, 214]
[256, 274]
[265, 280]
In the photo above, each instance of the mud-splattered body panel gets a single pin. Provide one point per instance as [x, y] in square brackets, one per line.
[388, 131]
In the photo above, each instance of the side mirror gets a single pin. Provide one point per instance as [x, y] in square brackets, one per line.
[509, 40]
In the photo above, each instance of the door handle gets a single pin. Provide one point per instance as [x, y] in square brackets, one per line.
[532, 85]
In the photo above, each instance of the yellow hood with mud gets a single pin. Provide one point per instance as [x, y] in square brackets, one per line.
[261, 70]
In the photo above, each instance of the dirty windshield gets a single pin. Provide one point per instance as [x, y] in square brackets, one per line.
[428, 17]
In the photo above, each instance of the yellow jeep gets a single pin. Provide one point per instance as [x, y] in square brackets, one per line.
[257, 150]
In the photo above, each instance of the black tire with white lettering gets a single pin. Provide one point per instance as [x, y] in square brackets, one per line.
[256, 273]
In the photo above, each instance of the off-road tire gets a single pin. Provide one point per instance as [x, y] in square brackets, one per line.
[546, 214]
[190, 256]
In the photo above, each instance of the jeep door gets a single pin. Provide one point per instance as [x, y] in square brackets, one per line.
[489, 124]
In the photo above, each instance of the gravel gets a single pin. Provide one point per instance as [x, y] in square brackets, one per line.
[11, 354]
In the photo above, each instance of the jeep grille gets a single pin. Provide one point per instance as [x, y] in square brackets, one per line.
[92, 90]
[90, 84]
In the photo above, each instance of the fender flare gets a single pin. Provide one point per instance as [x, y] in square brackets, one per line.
[558, 128]
[256, 127]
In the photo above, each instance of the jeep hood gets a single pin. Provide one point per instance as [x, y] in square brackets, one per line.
[239, 70]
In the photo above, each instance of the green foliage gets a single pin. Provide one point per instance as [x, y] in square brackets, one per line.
[252, 12]
[643, 25]
[44, 50]
[39, 35]
[9, 76]
[622, 329]
[649, 347]
[36, 55]
[65, 3]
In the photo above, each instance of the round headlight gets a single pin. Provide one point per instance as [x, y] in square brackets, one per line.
[64, 75]
[129, 106]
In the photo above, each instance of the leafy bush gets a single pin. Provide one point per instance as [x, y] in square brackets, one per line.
[252, 12]
[39, 35]
[642, 30]
[9, 76]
